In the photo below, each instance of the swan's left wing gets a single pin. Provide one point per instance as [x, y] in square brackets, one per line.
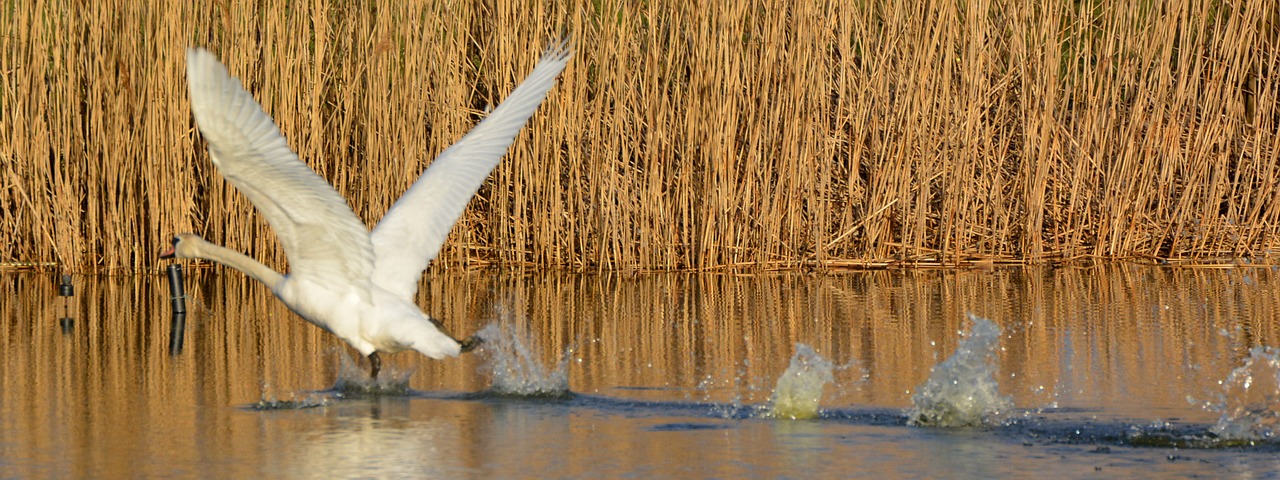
[320, 234]
[411, 233]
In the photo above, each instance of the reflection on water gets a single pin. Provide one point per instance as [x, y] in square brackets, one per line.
[657, 362]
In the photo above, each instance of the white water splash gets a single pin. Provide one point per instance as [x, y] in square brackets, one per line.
[514, 367]
[354, 379]
[1250, 400]
[962, 391]
[799, 389]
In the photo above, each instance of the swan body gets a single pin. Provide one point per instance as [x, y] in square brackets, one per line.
[356, 284]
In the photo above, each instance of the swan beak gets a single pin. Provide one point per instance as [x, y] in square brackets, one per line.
[167, 253]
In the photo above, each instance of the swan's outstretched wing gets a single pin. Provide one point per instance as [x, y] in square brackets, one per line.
[411, 233]
[320, 234]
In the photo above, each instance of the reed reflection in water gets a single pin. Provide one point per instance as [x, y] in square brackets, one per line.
[1122, 341]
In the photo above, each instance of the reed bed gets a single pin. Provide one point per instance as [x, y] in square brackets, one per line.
[730, 134]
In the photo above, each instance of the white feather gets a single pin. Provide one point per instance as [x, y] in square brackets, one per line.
[413, 230]
[358, 286]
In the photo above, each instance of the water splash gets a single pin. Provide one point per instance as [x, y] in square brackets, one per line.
[354, 380]
[962, 390]
[799, 389]
[738, 388]
[1250, 400]
[514, 368]
[269, 401]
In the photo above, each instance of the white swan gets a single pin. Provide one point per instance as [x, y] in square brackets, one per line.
[356, 284]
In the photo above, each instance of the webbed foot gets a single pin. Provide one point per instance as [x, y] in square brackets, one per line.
[471, 343]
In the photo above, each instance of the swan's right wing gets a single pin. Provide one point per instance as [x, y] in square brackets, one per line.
[320, 234]
[411, 233]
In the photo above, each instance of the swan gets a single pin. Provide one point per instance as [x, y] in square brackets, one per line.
[358, 285]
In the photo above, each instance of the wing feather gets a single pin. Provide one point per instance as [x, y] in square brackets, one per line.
[413, 230]
[320, 234]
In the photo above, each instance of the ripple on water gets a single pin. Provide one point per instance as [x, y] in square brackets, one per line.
[310, 401]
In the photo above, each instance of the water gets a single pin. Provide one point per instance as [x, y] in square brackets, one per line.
[1249, 403]
[1109, 371]
[962, 391]
[514, 367]
[799, 390]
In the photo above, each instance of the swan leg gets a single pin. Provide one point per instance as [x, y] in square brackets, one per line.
[375, 364]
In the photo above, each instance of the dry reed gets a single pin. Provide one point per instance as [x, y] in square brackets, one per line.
[682, 136]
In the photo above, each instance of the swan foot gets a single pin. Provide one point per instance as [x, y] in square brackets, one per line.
[375, 364]
[471, 343]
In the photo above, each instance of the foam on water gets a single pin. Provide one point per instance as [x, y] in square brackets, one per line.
[962, 390]
[799, 389]
[1250, 400]
[515, 369]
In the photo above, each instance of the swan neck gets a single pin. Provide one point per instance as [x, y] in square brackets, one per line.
[241, 262]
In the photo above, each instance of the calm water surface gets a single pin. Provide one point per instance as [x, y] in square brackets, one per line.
[1109, 371]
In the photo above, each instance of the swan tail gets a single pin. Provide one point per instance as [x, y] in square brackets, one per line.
[434, 341]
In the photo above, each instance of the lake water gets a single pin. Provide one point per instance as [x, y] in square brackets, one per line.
[1109, 371]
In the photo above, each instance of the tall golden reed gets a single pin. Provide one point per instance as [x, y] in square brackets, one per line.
[683, 136]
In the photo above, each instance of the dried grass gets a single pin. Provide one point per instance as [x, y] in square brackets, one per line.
[682, 136]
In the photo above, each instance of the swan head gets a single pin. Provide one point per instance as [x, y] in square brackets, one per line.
[185, 245]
